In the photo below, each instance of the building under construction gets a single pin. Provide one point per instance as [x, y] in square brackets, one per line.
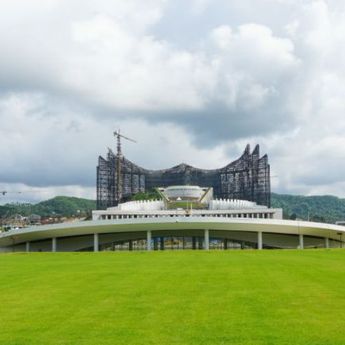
[247, 178]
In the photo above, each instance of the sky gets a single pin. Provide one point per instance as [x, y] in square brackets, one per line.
[191, 81]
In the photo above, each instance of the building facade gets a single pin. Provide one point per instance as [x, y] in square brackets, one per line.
[247, 178]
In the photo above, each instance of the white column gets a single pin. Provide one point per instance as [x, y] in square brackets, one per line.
[148, 240]
[259, 240]
[95, 243]
[326, 242]
[207, 239]
[54, 244]
[27, 247]
[301, 241]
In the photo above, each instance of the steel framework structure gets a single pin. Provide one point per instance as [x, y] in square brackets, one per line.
[247, 178]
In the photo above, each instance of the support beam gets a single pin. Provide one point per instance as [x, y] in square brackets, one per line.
[326, 242]
[207, 239]
[301, 241]
[259, 240]
[148, 240]
[95, 243]
[27, 247]
[54, 244]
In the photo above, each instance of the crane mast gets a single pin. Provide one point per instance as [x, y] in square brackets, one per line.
[118, 194]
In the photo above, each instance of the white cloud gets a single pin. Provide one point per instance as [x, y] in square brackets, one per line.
[43, 144]
[19, 192]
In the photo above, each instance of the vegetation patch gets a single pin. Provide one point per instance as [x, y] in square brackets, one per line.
[58, 206]
[152, 194]
[323, 208]
[186, 205]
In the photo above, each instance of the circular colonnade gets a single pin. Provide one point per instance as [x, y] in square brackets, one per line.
[179, 233]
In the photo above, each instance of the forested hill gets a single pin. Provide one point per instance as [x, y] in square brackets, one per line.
[59, 206]
[318, 208]
[324, 208]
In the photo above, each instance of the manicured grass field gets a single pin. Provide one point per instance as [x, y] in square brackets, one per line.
[191, 297]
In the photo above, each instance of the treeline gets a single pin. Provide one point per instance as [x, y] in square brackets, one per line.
[152, 194]
[325, 208]
[58, 206]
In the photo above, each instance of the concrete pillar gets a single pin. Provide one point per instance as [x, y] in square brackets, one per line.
[130, 245]
[95, 243]
[27, 247]
[155, 243]
[193, 242]
[301, 241]
[207, 239]
[54, 244]
[326, 242]
[148, 240]
[259, 240]
[162, 243]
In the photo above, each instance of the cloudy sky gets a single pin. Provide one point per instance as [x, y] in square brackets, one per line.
[191, 81]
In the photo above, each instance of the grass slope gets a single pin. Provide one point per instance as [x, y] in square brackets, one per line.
[233, 297]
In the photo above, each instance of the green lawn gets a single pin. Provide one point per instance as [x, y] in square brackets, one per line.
[173, 297]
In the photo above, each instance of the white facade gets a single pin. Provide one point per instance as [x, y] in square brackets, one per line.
[109, 214]
[217, 208]
[227, 204]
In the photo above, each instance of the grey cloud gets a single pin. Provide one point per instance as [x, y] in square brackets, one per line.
[244, 70]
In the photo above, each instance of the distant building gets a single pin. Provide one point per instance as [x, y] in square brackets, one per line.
[35, 219]
[340, 222]
[247, 178]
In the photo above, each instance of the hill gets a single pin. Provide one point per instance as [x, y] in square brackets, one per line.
[174, 297]
[60, 206]
[318, 208]
[325, 208]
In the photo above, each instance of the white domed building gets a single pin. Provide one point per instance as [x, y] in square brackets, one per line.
[185, 217]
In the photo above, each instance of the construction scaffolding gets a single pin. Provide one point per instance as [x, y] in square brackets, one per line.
[247, 178]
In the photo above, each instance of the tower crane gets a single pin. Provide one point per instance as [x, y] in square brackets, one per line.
[118, 136]
[4, 192]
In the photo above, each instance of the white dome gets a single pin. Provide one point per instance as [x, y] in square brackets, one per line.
[184, 192]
